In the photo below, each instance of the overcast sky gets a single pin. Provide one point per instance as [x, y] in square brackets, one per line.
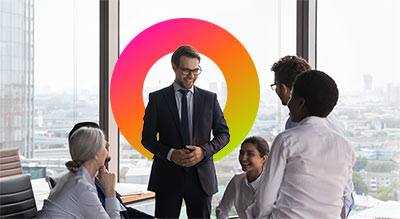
[355, 37]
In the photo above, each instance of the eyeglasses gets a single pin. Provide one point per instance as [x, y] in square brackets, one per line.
[273, 86]
[186, 71]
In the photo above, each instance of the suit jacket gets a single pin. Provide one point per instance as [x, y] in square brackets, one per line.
[129, 213]
[161, 116]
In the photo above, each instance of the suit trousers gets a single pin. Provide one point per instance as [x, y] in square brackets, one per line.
[198, 203]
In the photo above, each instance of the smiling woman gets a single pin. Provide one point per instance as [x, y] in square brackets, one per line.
[241, 190]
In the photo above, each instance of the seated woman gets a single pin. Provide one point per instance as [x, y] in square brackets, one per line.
[75, 195]
[308, 166]
[242, 188]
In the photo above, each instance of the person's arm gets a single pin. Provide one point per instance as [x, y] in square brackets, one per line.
[90, 206]
[200, 154]
[224, 207]
[270, 181]
[348, 200]
[150, 130]
[220, 132]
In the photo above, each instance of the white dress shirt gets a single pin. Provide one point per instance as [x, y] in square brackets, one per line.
[239, 193]
[178, 99]
[332, 122]
[305, 173]
[75, 196]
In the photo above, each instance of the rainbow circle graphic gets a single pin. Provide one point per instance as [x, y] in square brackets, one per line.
[165, 37]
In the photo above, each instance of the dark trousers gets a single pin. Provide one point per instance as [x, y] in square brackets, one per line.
[198, 204]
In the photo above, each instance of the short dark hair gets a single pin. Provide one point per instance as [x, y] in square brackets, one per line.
[185, 50]
[260, 142]
[82, 124]
[288, 67]
[319, 91]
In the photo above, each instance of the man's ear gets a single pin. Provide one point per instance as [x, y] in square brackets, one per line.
[174, 67]
[285, 89]
[302, 102]
[264, 158]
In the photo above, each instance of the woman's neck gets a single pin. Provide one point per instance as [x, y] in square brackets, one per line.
[253, 175]
[91, 167]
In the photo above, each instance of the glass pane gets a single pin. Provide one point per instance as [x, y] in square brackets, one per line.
[49, 78]
[360, 52]
[266, 29]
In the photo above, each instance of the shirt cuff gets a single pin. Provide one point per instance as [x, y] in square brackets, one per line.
[113, 204]
[170, 154]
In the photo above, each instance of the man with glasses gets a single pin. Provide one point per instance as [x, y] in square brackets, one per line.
[286, 70]
[177, 128]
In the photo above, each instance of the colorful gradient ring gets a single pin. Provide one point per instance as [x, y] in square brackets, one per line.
[164, 38]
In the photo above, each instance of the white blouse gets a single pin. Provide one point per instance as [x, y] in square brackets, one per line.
[75, 196]
[240, 193]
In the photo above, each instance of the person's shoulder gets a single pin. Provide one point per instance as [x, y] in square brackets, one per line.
[203, 91]
[81, 184]
[161, 91]
[238, 179]
[289, 124]
[289, 137]
[289, 132]
[239, 176]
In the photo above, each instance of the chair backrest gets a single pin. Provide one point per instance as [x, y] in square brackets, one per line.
[10, 163]
[16, 197]
[52, 183]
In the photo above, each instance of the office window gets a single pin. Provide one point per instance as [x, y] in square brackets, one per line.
[267, 29]
[358, 44]
[49, 77]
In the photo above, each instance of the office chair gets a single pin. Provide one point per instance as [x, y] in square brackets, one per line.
[16, 197]
[10, 163]
[52, 180]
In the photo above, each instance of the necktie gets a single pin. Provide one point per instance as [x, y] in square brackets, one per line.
[184, 118]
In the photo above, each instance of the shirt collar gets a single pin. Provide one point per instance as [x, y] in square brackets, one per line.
[85, 174]
[253, 184]
[312, 120]
[177, 87]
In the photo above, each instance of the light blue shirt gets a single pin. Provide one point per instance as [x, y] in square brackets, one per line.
[75, 196]
[178, 100]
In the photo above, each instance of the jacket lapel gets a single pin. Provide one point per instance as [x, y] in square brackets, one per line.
[198, 99]
[171, 103]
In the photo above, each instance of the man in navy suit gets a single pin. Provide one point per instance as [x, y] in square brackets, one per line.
[130, 212]
[177, 128]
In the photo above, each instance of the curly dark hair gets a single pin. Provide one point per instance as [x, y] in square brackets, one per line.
[288, 67]
[185, 50]
[319, 91]
[261, 144]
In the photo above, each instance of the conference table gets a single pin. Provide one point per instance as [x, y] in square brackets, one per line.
[130, 193]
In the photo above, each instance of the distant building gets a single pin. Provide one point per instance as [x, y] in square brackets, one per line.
[224, 89]
[393, 93]
[367, 82]
[377, 179]
[213, 86]
[16, 76]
